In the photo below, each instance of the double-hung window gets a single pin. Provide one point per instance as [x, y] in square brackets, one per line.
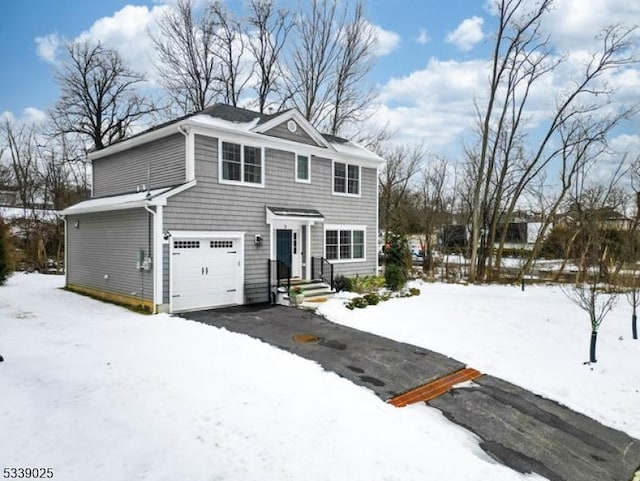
[241, 164]
[344, 243]
[346, 179]
[303, 168]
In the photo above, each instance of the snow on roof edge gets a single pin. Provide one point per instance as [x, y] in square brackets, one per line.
[122, 201]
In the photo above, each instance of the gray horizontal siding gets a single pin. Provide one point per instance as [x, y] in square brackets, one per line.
[165, 273]
[160, 163]
[213, 206]
[283, 132]
[107, 244]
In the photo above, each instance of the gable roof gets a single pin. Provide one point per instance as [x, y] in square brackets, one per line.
[239, 120]
[267, 124]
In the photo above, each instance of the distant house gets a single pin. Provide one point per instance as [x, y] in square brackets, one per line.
[605, 217]
[454, 237]
[521, 233]
[198, 212]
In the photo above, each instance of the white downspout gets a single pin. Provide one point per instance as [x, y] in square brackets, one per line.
[157, 255]
[66, 251]
[307, 249]
[377, 233]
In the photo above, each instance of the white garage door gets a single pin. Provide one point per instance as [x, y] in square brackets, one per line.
[205, 272]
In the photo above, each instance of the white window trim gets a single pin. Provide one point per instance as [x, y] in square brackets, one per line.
[340, 227]
[241, 182]
[295, 161]
[346, 186]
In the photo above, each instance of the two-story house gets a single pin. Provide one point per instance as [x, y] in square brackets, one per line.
[194, 213]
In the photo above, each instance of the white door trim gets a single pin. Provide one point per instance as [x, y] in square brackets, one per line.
[295, 226]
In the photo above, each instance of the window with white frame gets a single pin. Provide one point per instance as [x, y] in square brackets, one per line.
[303, 168]
[241, 164]
[344, 243]
[346, 178]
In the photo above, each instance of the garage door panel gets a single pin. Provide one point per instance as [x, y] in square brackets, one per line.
[205, 273]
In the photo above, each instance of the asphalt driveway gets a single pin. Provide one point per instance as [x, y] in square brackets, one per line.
[522, 430]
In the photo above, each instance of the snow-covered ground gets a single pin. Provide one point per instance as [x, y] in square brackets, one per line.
[97, 392]
[537, 339]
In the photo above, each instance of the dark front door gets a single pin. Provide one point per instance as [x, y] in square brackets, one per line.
[283, 247]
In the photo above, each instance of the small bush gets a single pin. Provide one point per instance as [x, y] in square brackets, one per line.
[365, 284]
[414, 291]
[359, 302]
[342, 283]
[372, 298]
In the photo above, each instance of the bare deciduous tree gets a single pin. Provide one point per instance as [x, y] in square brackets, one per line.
[98, 95]
[46, 175]
[432, 211]
[230, 46]
[596, 302]
[22, 146]
[330, 60]
[633, 250]
[268, 29]
[576, 128]
[394, 182]
[185, 57]
[351, 94]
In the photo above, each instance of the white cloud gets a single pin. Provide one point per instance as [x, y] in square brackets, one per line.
[423, 37]
[387, 40]
[573, 25]
[623, 150]
[7, 116]
[47, 47]
[127, 31]
[435, 104]
[30, 116]
[468, 33]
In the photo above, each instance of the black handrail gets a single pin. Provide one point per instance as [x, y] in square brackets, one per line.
[322, 269]
[278, 272]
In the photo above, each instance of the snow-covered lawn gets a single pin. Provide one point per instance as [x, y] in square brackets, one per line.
[96, 392]
[537, 339]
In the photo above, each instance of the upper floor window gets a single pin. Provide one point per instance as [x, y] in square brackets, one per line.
[241, 164]
[303, 168]
[346, 179]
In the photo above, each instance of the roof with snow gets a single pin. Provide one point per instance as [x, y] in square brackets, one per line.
[238, 119]
[126, 201]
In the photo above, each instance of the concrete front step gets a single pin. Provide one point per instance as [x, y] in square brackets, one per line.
[314, 292]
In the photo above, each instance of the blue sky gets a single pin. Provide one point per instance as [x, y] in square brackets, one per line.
[430, 71]
[27, 79]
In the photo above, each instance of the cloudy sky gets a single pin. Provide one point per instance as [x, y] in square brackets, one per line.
[430, 70]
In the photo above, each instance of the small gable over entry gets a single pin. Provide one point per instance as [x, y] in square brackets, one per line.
[290, 234]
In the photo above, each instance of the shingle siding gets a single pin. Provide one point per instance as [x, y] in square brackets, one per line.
[283, 132]
[160, 163]
[103, 249]
[211, 206]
